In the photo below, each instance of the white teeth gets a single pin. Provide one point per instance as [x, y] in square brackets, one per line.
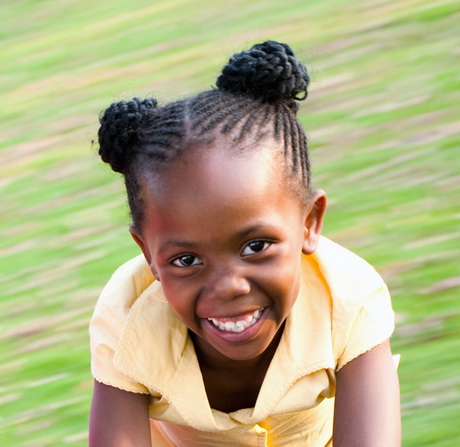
[237, 326]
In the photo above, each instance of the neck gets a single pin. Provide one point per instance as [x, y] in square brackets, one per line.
[210, 359]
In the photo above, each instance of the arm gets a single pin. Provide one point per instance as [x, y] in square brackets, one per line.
[367, 412]
[118, 418]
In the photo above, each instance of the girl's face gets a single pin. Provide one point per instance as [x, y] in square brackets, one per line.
[224, 235]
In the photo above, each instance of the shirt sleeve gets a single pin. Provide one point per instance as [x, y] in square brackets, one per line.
[105, 331]
[369, 325]
[108, 321]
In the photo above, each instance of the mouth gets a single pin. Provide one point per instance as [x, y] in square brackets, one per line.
[237, 324]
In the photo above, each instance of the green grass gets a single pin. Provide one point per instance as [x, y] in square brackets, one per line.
[382, 119]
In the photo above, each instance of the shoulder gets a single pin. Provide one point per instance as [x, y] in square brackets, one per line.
[125, 286]
[340, 265]
[350, 279]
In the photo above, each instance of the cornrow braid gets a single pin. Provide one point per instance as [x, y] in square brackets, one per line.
[226, 108]
[162, 131]
[256, 97]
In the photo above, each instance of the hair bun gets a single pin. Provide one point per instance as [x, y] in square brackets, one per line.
[118, 131]
[268, 71]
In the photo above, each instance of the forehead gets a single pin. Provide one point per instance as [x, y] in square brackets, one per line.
[214, 167]
[216, 178]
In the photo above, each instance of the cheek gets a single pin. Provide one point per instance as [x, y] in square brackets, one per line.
[283, 281]
[181, 299]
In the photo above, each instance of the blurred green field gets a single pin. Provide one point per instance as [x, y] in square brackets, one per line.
[383, 122]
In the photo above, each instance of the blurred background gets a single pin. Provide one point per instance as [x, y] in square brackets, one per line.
[383, 125]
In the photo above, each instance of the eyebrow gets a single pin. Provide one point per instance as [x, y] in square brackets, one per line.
[177, 243]
[253, 228]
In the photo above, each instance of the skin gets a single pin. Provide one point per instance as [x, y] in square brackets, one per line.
[367, 407]
[118, 418]
[224, 234]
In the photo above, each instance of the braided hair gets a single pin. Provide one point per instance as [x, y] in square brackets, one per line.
[256, 98]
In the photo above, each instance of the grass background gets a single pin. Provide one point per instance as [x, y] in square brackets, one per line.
[383, 123]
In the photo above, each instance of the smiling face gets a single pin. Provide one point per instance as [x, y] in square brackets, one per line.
[224, 235]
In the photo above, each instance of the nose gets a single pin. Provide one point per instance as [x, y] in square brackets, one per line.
[226, 284]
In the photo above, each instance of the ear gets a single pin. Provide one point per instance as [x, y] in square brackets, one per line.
[314, 217]
[145, 249]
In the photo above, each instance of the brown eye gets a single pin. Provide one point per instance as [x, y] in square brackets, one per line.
[186, 261]
[255, 247]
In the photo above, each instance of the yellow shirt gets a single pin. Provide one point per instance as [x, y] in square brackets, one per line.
[138, 345]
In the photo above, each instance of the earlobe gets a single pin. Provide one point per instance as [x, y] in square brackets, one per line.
[314, 218]
[145, 250]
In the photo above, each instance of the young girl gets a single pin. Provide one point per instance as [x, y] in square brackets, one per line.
[239, 325]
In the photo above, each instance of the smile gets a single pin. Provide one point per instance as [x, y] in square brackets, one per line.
[236, 324]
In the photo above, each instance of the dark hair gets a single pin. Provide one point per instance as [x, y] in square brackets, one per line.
[255, 98]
